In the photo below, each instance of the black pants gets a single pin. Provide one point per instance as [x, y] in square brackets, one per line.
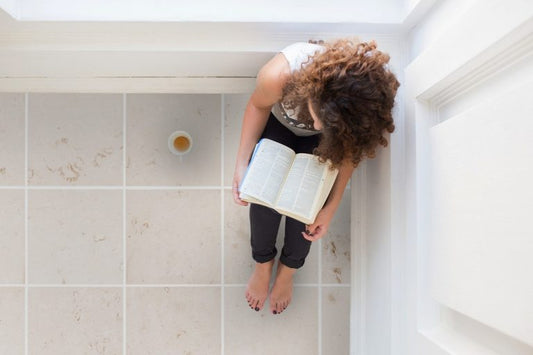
[264, 221]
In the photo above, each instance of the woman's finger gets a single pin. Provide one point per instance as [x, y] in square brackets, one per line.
[236, 197]
[307, 237]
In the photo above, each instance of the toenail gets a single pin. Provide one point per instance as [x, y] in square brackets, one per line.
[274, 312]
[257, 308]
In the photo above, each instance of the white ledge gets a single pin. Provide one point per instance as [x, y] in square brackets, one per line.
[375, 11]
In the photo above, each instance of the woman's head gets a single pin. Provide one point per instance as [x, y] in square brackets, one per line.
[348, 92]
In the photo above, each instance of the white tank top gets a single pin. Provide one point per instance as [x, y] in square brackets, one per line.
[297, 55]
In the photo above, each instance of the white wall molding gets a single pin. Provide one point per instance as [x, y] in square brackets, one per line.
[518, 48]
[495, 31]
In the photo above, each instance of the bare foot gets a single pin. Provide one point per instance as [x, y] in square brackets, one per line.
[257, 289]
[281, 293]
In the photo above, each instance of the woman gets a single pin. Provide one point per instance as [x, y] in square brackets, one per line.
[333, 100]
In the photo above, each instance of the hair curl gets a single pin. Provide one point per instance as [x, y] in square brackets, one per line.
[352, 92]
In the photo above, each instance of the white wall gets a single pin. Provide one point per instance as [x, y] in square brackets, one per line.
[12, 7]
[376, 276]
[435, 23]
[52, 56]
[334, 11]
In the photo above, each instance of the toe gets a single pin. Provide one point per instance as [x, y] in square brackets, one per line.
[273, 307]
[254, 303]
[261, 304]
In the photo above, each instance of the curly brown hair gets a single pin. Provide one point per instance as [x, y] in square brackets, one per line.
[352, 92]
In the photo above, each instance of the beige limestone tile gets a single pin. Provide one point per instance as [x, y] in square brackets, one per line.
[238, 252]
[11, 320]
[12, 235]
[335, 320]
[293, 332]
[68, 320]
[235, 105]
[75, 139]
[75, 236]
[336, 245]
[151, 119]
[12, 145]
[173, 320]
[173, 236]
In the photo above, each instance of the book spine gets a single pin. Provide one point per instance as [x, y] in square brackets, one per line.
[249, 163]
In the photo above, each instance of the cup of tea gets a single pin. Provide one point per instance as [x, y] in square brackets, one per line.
[180, 142]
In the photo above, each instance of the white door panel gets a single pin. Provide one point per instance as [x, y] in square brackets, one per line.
[481, 235]
[469, 173]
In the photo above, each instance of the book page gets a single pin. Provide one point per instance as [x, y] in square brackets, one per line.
[302, 185]
[267, 171]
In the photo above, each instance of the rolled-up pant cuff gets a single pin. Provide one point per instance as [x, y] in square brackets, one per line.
[263, 258]
[294, 264]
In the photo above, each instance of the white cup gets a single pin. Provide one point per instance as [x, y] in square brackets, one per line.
[180, 143]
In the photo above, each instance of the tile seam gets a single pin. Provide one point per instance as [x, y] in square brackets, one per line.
[163, 285]
[222, 216]
[109, 187]
[319, 288]
[124, 118]
[26, 230]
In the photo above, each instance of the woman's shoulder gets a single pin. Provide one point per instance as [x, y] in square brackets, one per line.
[271, 79]
[302, 47]
[299, 53]
[274, 74]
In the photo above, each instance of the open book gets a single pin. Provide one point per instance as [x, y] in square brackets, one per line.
[296, 185]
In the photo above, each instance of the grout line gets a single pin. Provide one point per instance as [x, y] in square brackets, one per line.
[163, 285]
[120, 285]
[319, 288]
[118, 187]
[50, 187]
[222, 216]
[363, 265]
[360, 338]
[210, 187]
[26, 230]
[124, 102]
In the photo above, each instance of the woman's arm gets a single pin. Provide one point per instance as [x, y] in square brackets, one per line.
[335, 196]
[268, 91]
[320, 227]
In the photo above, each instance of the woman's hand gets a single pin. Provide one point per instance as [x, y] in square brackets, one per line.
[319, 228]
[237, 178]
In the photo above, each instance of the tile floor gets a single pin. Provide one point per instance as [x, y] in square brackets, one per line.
[109, 244]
